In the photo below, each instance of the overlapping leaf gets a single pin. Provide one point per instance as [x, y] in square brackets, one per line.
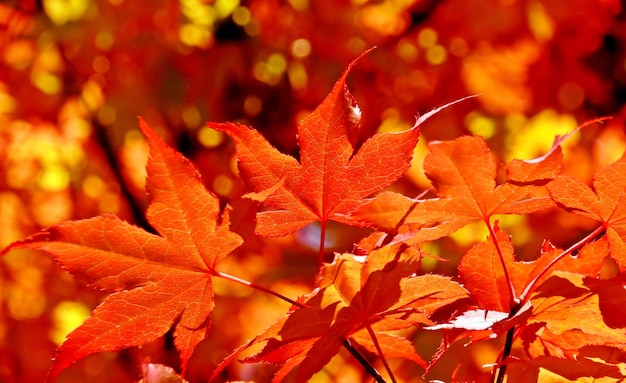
[463, 172]
[355, 300]
[484, 276]
[548, 288]
[157, 280]
[566, 320]
[612, 299]
[605, 203]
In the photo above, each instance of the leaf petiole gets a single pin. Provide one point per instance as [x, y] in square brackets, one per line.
[256, 287]
[380, 352]
[530, 288]
[346, 343]
[532, 284]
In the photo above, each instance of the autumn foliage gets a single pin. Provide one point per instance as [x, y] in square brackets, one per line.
[297, 236]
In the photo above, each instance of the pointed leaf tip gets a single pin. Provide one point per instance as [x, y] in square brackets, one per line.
[420, 120]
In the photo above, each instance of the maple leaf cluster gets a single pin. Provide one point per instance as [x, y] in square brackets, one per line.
[366, 300]
[341, 245]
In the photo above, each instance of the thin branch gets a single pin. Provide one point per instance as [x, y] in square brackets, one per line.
[104, 142]
[364, 362]
[508, 345]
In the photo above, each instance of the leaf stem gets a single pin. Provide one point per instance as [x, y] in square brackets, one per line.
[320, 255]
[511, 288]
[256, 287]
[508, 345]
[346, 343]
[531, 285]
[364, 362]
[380, 352]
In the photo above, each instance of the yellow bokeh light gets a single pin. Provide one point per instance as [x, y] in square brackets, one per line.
[539, 22]
[416, 172]
[224, 8]
[104, 39]
[46, 82]
[276, 63]
[198, 12]
[392, 122]
[7, 102]
[428, 264]
[470, 234]
[67, 316]
[427, 38]
[386, 18]
[436, 55]
[271, 71]
[301, 48]
[64, 11]
[134, 157]
[480, 125]
[93, 186]
[299, 5]
[54, 178]
[92, 95]
[517, 226]
[194, 35]
[241, 16]
[210, 138]
[298, 77]
[534, 137]
[222, 185]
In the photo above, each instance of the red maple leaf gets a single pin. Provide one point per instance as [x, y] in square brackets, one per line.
[361, 302]
[566, 321]
[612, 299]
[484, 275]
[605, 203]
[463, 172]
[335, 172]
[158, 281]
[542, 289]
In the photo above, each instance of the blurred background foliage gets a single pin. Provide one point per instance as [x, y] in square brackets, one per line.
[75, 74]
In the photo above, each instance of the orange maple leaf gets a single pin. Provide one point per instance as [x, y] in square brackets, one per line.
[360, 302]
[605, 203]
[157, 281]
[463, 172]
[484, 275]
[546, 290]
[335, 172]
